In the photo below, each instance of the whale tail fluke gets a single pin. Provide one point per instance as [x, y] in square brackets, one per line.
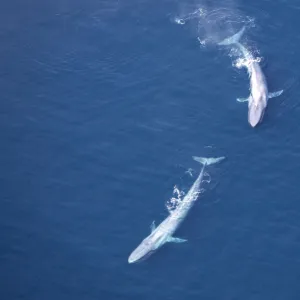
[234, 39]
[208, 161]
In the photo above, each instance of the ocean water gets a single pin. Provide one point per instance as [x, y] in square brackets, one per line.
[103, 105]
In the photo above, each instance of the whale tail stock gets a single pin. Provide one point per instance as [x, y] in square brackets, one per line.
[234, 39]
[208, 160]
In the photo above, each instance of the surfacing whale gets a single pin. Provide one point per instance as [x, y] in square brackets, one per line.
[259, 94]
[164, 232]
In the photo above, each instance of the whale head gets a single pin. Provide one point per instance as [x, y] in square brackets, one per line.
[143, 251]
[256, 110]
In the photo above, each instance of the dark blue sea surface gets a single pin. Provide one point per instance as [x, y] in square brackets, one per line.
[103, 105]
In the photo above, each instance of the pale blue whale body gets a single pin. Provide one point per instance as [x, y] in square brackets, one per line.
[259, 94]
[164, 232]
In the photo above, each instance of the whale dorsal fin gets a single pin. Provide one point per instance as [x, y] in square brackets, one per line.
[152, 226]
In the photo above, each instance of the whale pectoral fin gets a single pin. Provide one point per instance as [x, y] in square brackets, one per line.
[275, 94]
[175, 240]
[242, 99]
[152, 226]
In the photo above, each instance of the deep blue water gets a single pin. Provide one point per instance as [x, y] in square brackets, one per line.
[103, 105]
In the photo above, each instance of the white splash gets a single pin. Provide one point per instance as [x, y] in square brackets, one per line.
[190, 172]
[245, 62]
[179, 21]
[200, 12]
[202, 42]
[172, 203]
